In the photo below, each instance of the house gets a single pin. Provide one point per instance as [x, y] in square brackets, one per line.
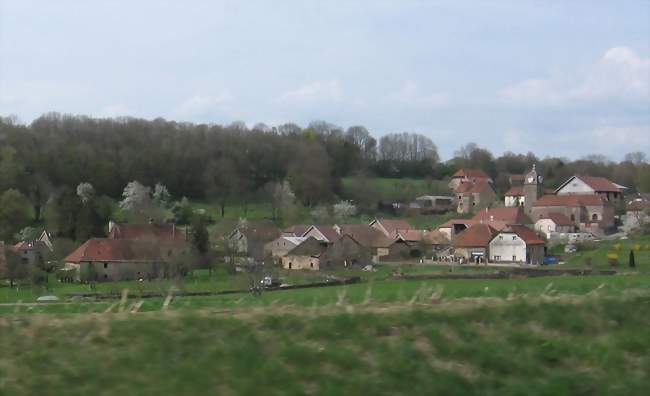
[468, 176]
[424, 242]
[371, 238]
[637, 212]
[432, 204]
[517, 244]
[390, 227]
[589, 212]
[345, 252]
[398, 250]
[472, 244]
[474, 196]
[322, 232]
[250, 240]
[31, 253]
[453, 227]
[514, 196]
[282, 245]
[120, 259]
[305, 256]
[554, 223]
[583, 185]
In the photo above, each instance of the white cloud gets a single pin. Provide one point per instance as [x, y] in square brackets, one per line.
[200, 104]
[315, 91]
[409, 94]
[619, 74]
[633, 136]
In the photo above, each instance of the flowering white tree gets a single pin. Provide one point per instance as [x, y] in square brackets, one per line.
[86, 192]
[344, 209]
[320, 214]
[282, 197]
[136, 196]
[161, 195]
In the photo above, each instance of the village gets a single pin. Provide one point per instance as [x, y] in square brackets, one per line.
[516, 231]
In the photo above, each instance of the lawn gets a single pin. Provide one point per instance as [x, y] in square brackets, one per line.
[599, 251]
[548, 344]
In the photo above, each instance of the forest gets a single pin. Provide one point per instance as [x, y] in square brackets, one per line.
[77, 166]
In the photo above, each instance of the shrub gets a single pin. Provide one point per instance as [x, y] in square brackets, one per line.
[612, 258]
[617, 247]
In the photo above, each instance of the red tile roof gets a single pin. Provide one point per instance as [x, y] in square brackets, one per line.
[471, 174]
[509, 215]
[434, 237]
[450, 223]
[529, 236]
[599, 184]
[517, 191]
[146, 231]
[478, 235]
[365, 235]
[559, 219]
[570, 200]
[393, 225]
[116, 250]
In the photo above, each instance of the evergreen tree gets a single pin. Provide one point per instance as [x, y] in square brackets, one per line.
[631, 260]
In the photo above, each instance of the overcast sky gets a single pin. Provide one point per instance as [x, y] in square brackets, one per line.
[564, 78]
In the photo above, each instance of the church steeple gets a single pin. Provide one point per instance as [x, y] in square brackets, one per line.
[533, 188]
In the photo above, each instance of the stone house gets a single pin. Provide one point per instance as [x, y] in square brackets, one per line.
[472, 245]
[122, 259]
[517, 244]
[345, 252]
[474, 196]
[305, 256]
[453, 227]
[282, 245]
[584, 185]
[323, 232]
[367, 236]
[434, 204]
[468, 176]
[148, 231]
[553, 224]
[589, 212]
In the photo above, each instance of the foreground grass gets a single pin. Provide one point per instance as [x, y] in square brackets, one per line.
[554, 345]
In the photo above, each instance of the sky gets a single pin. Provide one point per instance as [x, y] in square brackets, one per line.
[560, 78]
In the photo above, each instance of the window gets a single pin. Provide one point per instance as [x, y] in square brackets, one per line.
[573, 217]
[311, 265]
[497, 258]
[514, 258]
[500, 237]
[594, 217]
[514, 237]
[105, 265]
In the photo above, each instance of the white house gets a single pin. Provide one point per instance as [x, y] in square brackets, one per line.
[607, 189]
[554, 223]
[517, 244]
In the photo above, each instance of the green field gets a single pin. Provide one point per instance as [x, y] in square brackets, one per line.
[544, 344]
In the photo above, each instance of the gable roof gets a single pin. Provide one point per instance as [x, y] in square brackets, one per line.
[516, 191]
[470, 174]
[509, 215]
[115, 250]
[297, 229]
[391, 226]
[365, 235]
[450, 223]
[571, 200]
[261, 232]
[526, 234]
[167, 232]
[478, 235]
[473, 187]
[327, 230]
[598, 184]
[558, 219]
[309, 247]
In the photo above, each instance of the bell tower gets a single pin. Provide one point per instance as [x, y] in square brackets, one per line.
[533, 189]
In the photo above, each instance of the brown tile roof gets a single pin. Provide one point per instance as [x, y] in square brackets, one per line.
[116, 250]
[509, 215]
[478, 235]
[146, 231]
[529, 236]
[261, 232]
[472, 187]
[450, 223]
[328, 231]
[599, 184]
[517, 191]
[365, 235]
[393, 225]
[471, 174]
[570, 200]
[558, 219]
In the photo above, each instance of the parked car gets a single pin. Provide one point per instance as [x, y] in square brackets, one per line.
[269, 281]
[548, 260]
[570, 249]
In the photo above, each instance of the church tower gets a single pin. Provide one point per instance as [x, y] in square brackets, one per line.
[533, 189]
